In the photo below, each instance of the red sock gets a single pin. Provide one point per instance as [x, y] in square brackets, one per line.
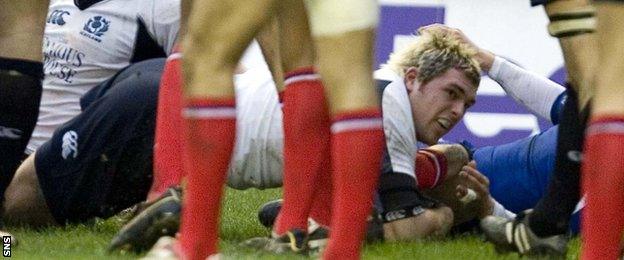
[321, 209]
[168, 166]
[603, 182]
[306, 140]
[357, 144]
[210, 132]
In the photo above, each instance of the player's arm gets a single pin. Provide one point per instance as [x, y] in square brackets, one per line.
[480, 188]
[538, 94]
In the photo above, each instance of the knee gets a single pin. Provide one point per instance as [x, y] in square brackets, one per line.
[24, 203]
[432, 223]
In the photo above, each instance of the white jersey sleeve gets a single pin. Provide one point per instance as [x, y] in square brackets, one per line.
[535, 92]
[399, 128]
[162, 22]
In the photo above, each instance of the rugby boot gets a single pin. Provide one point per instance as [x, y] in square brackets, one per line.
[318, 237]
[128, 214]
[152, 221]
[515, 235]
[268, 212]
[293, 241]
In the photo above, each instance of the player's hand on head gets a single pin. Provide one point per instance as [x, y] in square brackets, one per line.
[483, 56]
[477, 184]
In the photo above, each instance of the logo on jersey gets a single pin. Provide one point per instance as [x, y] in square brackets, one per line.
[70, 145]
[10, 133]
[95, 28]
[56, 17]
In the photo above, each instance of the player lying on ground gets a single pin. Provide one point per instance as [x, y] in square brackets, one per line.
[518, 171]
[101, 45]
[527, 84]
[262, 167]
[81, 171]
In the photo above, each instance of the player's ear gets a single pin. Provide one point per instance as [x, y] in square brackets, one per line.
[411, 78]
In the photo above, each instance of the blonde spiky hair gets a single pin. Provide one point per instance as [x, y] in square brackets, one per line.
[434, 52]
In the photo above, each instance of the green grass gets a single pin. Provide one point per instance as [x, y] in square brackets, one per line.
[239, 223]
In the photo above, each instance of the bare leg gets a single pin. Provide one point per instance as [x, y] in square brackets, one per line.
[579, 52]
[306, 120]
[218, 33]
[21, 30]
[24, 203]
[21, 34]
[345, 62]
[603, 168]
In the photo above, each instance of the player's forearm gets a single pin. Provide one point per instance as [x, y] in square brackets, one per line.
[535, 92]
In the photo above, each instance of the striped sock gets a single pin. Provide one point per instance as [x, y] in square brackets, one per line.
[306, 143]
[210, 132]
[603, 182]
[357, 144]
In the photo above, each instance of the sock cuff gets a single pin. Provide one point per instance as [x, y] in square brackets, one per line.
[358, 120]
[176, 53]
[206, 108]
[301, 74]
[606, 124]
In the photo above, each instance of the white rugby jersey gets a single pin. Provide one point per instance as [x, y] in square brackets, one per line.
[258, 153]
[399, 128]
[87, 44]
[257, 159]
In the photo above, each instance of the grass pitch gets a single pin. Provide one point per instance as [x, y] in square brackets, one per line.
[238, 223]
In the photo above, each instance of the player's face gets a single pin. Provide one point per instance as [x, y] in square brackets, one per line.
[439, 104]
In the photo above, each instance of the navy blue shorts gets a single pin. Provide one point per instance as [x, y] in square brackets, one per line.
[100, 162]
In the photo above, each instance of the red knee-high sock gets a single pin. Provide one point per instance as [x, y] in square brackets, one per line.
[210, 132]
[321, 209]
[357, 144]
[603, 182]
[306, 140]
[168, 164]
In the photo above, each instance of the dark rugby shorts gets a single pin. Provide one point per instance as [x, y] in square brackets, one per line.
[100, 162]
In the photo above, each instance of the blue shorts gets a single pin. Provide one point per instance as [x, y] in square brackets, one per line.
[520, 171]
[100, 162]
